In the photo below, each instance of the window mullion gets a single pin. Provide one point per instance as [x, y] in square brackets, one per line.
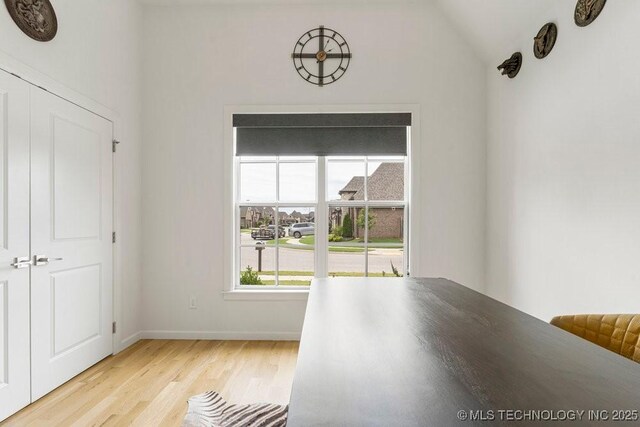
[322, 220]
[366, 218]
[276, 273]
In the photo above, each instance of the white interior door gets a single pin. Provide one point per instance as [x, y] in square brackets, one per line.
[71, 226]
[14, 243]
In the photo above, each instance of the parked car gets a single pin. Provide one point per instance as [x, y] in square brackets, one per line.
[302, 229]
[281, 230]
[267, 233]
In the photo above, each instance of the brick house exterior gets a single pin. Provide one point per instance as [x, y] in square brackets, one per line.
[385, 183]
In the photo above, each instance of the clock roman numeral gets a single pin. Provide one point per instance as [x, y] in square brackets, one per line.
[309, 77]
[300, 68]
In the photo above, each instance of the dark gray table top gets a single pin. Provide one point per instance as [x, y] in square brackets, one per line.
[415, 352]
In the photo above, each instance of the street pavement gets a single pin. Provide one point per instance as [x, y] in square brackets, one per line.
[293, 259]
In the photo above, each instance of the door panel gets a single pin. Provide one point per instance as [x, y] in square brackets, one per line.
[76, 181]
[71, 219]
[14, 242]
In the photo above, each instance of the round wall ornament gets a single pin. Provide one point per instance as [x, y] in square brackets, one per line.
[545, 40]
[587, 11]
[321, 56]
[36, 18]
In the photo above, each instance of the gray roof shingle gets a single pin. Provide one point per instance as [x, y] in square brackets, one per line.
[385, 183]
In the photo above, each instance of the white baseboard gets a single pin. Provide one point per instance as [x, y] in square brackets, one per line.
[129, 341]
[213, 335]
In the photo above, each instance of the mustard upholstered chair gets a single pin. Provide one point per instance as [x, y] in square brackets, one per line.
[616, 332]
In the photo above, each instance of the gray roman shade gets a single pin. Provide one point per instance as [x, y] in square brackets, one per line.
[370, 134]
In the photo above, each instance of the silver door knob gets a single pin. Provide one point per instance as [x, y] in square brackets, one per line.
[44, 260]
[23, 262]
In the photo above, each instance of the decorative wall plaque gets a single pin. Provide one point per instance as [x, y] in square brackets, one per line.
[511, 67]
[36, 18]
[545, 40]
[587, 11]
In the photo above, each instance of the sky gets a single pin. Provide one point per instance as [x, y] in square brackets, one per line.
[297, 180]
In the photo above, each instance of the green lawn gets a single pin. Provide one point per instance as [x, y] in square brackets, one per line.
[373, 243]
[283, 241]
[287, 282]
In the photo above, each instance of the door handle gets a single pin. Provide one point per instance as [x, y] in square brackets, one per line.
[44, 260]
[23, 262]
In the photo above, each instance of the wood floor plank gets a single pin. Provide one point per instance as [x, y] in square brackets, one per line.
[149, 383]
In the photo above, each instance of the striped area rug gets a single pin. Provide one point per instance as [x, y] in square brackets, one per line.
[211, 410]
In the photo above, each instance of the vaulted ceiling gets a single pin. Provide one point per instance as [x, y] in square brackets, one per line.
[496, 28]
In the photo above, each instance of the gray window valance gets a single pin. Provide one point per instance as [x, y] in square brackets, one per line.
[334, 134]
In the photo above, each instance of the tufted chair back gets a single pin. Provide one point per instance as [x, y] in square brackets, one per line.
[616, 332]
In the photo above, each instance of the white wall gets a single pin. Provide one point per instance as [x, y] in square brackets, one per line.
[563, 168]
[197, 59]
[96, 54]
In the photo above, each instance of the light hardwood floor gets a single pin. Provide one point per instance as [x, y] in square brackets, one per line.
[149, 383]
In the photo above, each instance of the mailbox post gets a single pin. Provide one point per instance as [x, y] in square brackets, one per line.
[260, 246]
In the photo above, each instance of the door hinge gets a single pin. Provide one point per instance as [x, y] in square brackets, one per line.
[115, 143]
[113, 327]
[113, 237]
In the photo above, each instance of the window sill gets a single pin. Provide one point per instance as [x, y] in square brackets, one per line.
[266, 295]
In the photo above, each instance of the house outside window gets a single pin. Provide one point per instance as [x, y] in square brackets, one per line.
[300, 216]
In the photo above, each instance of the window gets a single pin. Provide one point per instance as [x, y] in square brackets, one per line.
[331, 206]
[276, 208]
[366, 216]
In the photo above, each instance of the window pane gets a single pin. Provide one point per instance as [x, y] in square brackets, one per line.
[386, 158]
[257, 182]
[256, 223]
[297, 158]
[385, 240]
[346, 262]
[257, 264]
[249, 159]
[345, 180]
[346, 250]
[297, 182]
[386, 181]
[297, 266]
[296, 259]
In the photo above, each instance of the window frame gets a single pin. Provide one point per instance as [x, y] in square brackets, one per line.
[412, 246]
[276, 204]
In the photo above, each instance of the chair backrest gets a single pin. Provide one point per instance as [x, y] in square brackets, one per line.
[616, 332]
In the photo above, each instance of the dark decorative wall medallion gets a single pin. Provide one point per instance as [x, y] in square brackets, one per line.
[511, 67]
[321, 56]
[36, 18]
[587, 11]
[545, 40]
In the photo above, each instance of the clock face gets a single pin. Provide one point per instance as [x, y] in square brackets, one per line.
[321, 56]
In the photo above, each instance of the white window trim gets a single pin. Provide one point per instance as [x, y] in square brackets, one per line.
[412, 203]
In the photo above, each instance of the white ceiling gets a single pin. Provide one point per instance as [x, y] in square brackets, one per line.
[497, 28]
[229, 2]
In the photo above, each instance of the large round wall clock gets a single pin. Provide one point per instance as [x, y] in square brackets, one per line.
[321, 56]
